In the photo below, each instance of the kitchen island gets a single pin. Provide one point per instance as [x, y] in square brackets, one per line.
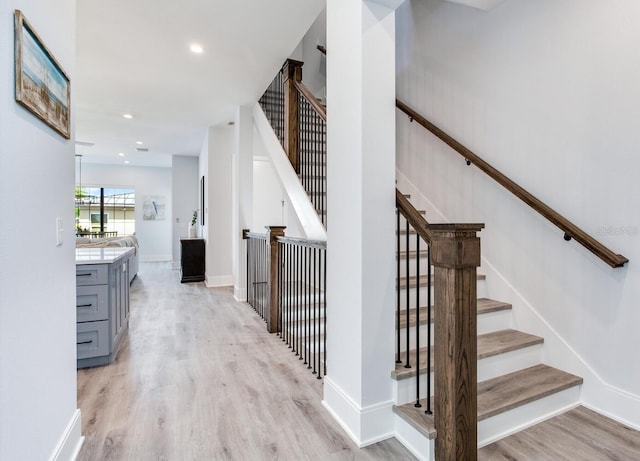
[102, 303]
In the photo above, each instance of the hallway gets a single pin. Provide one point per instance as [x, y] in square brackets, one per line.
[198, 378]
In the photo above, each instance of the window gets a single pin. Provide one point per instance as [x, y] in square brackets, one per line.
[118, 211]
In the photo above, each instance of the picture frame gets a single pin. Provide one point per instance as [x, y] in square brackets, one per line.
[41, 84]
[202, 200]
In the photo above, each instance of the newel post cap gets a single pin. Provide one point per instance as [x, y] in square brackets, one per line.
[455, 246]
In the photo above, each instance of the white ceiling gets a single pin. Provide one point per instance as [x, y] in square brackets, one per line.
[133, 57]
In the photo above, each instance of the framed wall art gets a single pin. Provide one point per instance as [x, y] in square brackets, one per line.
[42, 86]
[202, 200]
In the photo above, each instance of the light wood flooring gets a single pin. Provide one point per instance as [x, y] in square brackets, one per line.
[577, 435]
[198, 378]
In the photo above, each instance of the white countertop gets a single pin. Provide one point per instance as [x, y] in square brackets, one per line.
[106, 255]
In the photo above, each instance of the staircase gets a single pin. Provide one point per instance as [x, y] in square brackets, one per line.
[515, 388]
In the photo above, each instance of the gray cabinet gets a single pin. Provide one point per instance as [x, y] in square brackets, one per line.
[102, 311]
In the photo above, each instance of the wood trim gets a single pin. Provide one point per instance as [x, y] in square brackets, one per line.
[322, 244]
[253, 235]
[292, 71]
[570, 230]
[455, 253]
[311, 99]
[274, 280]
[414, 217]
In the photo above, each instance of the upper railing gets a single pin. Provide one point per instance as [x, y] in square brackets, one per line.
[286, 285]
[299, 120]
[571, 231]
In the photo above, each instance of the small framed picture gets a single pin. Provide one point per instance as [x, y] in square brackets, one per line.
[42, 86]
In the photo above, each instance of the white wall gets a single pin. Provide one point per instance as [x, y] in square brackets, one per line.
[547, 92]
[37, 278]
[185, 190]
[314, 71]
[155, 237]
[268, 209]
[216, 166]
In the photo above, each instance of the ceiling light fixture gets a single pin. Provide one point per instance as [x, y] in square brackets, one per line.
[196, 48]
[139, 143]
[121, 154]
[127, 116]
[126, 162]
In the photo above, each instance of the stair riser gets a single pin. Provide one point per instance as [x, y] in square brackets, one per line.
[303, 331]
[421, 447]
[490, 367]
[412, 266]
[412, 297]
[487, 323]
[496, 428]
[515, 420]
[412, 337]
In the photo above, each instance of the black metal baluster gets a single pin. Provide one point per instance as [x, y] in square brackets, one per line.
[407, 286]
[324, 309]
[280, 289]
[289, 294]
[303, 352]
[417, 404]
[398, 300]
[316, 317]
[246, 280]
[428, 410]
[308, 320]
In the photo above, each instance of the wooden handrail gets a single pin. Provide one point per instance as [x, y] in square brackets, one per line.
[570, 230]
[322, 49]
[414, 217]
[311, 99]
[322, 244]
[253, 235]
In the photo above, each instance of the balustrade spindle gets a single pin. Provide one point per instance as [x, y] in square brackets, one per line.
[408, 286]
[417, 404]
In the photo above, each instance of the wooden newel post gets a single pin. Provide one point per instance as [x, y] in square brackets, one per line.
[292, 73]
[455, 253]
[274, 283]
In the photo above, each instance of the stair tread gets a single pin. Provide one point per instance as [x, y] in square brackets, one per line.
[424, 279]
[489, 345]
[418, 419]
[485, 306]
[499, 395]
[512, 390]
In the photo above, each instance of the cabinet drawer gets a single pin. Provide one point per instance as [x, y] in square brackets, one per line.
[92, 274]
[92, 303]
[92, 339]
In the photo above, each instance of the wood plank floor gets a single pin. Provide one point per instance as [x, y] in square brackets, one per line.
[198, 378]
[577, 435]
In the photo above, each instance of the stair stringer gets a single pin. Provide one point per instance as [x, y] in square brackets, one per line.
[304, 211]
[595, 392]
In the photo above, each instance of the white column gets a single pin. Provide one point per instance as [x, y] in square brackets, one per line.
[242, 197]
[361, 216]
[218, 203]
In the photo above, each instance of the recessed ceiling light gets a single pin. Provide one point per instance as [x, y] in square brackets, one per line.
[126, 162]
[129, 116]
[139, 143]
[121, 154]
[196, 48]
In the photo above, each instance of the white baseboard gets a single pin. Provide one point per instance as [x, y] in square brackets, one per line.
[364, 425]
[71, 440]
[155, 258]
[218, 281]
[239, 294]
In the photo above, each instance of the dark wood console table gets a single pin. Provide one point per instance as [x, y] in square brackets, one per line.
[192, 264]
